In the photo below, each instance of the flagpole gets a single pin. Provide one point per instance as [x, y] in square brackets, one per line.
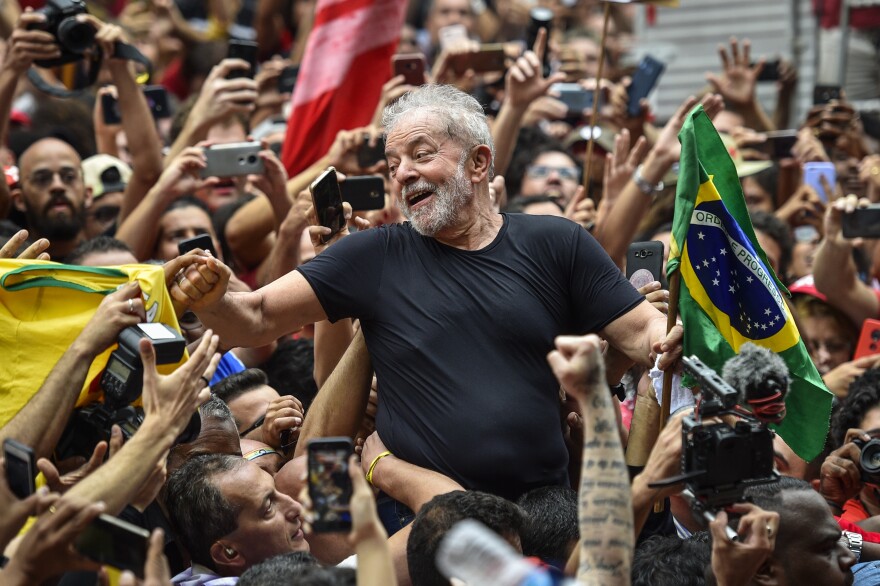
[671, 318]
[588, 161]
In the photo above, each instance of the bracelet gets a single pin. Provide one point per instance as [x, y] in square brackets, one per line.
[644, 185]
[373, 465]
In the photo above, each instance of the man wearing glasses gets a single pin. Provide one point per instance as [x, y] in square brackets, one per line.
[552, 174]
[52, 195]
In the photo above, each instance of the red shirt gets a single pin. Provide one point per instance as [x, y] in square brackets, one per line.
[869, 536]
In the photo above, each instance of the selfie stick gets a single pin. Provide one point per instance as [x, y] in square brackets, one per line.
[588, 162]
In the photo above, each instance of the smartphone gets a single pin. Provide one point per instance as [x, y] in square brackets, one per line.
[246, 50]
[367, 155]
[862, 222]
[327, 199]
[822, 94]
[540, 17]
[233, 159]
[114, 542]
[812, 173]
[643, 82]
[488, 58]
[452, 35]
[770, 72]
[329, 483]
[157, 100]
[575, 97]
[779, 143]
[411, 66]
[21, 469]
[364, 192]
[202, 241]
[287, 79]
[644, 263]
[869, 339]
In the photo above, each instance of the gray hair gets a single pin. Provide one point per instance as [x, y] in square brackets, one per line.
[459, 114]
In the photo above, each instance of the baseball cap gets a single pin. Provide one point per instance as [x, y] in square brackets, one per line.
[743, 168]
[105, 174]
[806, 286]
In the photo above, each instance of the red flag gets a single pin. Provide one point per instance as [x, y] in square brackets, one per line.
[346, 62]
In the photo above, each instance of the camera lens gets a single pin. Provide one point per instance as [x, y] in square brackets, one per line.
[870, 461]
[252, 159]
[75, 36]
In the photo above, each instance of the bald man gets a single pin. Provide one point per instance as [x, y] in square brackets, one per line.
[52, 195]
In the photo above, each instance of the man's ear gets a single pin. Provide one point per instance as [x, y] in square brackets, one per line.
[479, 163]
[18, 199]
[88, 201]
[768, 574]
[227, 558]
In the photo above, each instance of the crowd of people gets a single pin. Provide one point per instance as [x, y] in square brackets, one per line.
[474, 339]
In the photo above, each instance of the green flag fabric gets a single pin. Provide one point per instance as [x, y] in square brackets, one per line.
[729, 294]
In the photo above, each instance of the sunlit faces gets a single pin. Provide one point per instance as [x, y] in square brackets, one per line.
[428, 174]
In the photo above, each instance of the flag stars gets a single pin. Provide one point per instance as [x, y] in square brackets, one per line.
[701, 236]
[723, 252]
[749, 279]
[705, 263]
[768, 311]
[732, 289]
[716, 282]
[763, 326]
[713, 259]
[717, 273]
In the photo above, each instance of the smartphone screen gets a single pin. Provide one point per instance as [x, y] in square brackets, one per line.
[328, 202]
[157, 100]
[812, 173]
[110, 108]
[329, 483]
[822, 94]
[114, 542]
[20, 468]
[862, 222]
[869, 339]
[246, 50]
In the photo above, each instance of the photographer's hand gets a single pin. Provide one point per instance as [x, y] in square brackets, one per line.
[734, 563]
[28, 44]
[16, 511]
[840, 478]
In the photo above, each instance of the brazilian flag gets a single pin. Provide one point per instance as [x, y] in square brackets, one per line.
[729, 294]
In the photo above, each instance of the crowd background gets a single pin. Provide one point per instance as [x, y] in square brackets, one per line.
[93, 193]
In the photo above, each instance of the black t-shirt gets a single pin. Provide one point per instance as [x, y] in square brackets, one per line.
[459, 340]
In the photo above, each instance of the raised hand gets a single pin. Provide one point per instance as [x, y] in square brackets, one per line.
[525, 81]
[738, 78]
[34, 251]
[736, 562]
[28, 44]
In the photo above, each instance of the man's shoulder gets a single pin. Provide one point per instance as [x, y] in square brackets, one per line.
[528, 225]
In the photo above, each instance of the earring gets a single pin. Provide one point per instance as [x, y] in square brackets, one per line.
[230, 552]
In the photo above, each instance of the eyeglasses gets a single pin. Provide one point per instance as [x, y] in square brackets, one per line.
[542, 171]
[257, 424]
[43, 178]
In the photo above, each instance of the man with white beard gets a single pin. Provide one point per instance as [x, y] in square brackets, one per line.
[459, 306]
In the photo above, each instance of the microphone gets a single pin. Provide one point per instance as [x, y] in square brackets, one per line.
[761, 378]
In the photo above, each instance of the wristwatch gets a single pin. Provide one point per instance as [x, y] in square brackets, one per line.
[854, 542]
[646, 186]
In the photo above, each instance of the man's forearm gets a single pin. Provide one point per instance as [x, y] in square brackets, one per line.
[143, 138]
[137, 229]
[835, 275]
[41, 421]
[119, 480]
[505, 132]
[339, 407]
[410, 484]
[605, 510]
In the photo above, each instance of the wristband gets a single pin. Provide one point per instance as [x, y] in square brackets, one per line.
[373, 465]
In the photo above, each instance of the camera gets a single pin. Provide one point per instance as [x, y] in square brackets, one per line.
[74, 38]
[122, 383]
[869, 460]
[719, 461]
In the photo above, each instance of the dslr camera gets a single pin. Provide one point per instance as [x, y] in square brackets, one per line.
[719, 461]
[74, 38]
[122, 383]
[869, 460]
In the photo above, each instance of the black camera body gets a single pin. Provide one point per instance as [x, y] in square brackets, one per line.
[123, 379]
[722, 461]
[869, 460]
[74, 38]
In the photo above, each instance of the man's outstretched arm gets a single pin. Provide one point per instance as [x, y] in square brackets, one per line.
[247, 319]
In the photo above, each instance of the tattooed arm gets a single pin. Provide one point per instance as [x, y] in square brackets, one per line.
[605, 509]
